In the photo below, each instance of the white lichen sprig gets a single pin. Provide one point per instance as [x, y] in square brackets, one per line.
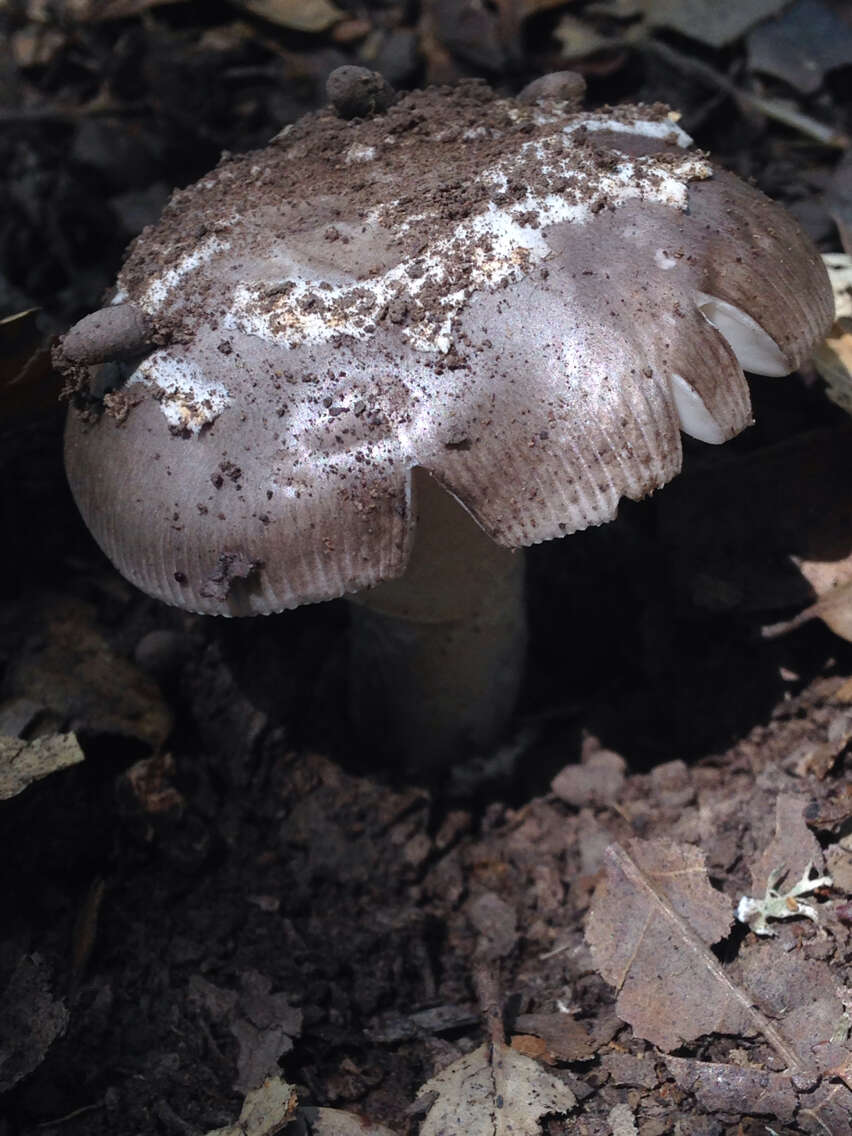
[776, 904]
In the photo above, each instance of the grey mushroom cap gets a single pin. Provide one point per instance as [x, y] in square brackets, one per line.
[525, 300]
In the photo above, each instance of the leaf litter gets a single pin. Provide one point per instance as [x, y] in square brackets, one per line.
[651, 924]
[493, 1091]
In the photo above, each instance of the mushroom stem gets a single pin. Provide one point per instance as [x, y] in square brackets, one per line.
[436, 656]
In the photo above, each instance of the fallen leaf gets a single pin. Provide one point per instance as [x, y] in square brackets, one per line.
[264, 1030]
[336, 1122]
[622, 1121]
[801, 45]
[565, 1038]
[720, 1087]
[628, 1069]
[87, 685]
[597, 781]
[31, 1019]
[496, 922]
[297, 15]
[649, 929]
[23, 762]
[793, 847]
[263, 1023]
[715, 23]
[834, 608]
[817, 758]
[493, 1091]
[578, 39]
[265, 1110]
[802, 996]
[833, 357]
[833, 812]
[827, 1111]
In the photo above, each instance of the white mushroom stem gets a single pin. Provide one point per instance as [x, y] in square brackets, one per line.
[436, 656]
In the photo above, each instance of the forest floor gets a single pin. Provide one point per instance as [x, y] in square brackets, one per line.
[227, 892]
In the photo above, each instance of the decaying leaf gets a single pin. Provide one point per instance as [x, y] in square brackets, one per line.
[802, 996]
[85, 684]
[801, 45]
[265, 1110]
[563, 1037]
[833, 358]
[31, 1019]
[720, 1087]
[579, 39]
[834, 608]
[793, 845]
[336, 1122]
[711, 22]
[23, 762]
[827, 1111]
[493, 1091]
[651, 922]
[263, 1023]
[649, 929]
[297, 15]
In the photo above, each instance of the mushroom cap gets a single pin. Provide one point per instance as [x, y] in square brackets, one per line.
[518, 297]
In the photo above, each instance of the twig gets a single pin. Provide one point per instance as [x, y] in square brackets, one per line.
[771, 108]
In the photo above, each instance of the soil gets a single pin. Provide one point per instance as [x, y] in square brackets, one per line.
[230, 886]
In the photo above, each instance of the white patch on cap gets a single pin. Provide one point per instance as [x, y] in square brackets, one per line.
[158, 290]
[645, 128]
[188, 400]
[492, 248]
[663, 260]
[357, 152]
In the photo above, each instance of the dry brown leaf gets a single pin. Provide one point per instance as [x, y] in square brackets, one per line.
[85, 684]
[802, 996]
[23, 762]
[833, 358]
[579, 39]
[834, 608]
[493, 1091]
[31, 1019]
[801, 45]
[531, 1046]
[827, 1110]
[265, 1110]
[336, 1122]
[565, 1038]
[715, 23]
[649, 929]
[832, 812]
[263, 1023]
[793, 847]
[297, 15]
[731, 1088]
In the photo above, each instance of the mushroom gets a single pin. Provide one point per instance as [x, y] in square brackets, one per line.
[384, 353]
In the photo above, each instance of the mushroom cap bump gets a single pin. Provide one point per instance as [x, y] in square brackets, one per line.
[526, 300]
